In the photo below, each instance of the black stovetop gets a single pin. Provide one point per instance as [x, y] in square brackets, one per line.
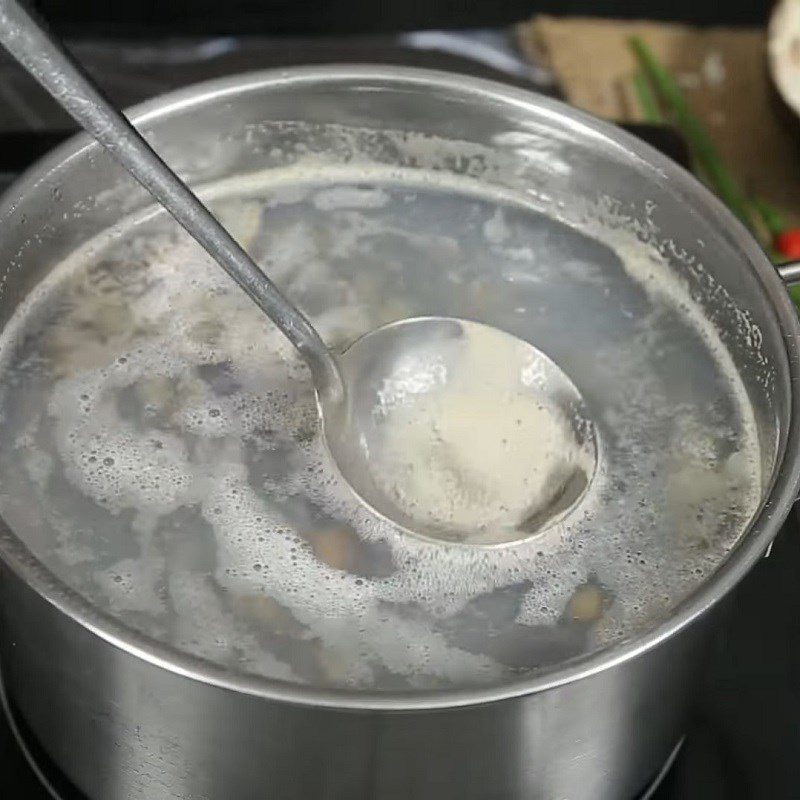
[745, 738]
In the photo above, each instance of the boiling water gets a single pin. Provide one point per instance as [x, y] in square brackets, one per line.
[160, 449]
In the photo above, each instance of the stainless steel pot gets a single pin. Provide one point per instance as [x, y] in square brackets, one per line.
[127, 717]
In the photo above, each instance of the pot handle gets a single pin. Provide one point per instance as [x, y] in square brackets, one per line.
[790, 273]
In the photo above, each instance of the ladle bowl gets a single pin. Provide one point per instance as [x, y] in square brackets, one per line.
[442, 416]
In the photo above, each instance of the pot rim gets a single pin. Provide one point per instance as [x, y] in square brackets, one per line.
[765, 525]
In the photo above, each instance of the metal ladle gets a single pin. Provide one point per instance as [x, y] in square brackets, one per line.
[349, 384]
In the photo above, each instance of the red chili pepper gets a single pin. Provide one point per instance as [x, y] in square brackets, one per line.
[788, 243]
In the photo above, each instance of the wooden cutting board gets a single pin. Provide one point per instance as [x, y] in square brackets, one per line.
[722, 70]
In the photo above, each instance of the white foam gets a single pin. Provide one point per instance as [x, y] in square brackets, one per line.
[190, 451]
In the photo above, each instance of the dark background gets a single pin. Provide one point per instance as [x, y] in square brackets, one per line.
[296, 17]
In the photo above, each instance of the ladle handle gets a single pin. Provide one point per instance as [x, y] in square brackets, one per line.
[790, 273]
[49, 63]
